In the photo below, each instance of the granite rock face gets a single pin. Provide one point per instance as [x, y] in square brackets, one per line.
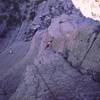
[51, 54]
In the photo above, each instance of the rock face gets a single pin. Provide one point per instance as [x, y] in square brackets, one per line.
[52, 54]
[89, 8]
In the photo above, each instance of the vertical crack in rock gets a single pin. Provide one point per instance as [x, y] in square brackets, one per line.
[93, 39]
[45, 83]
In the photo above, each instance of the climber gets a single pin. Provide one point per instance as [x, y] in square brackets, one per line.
[49, 44]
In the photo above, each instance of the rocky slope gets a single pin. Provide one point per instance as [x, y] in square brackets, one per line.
[50, 51]
[92, 7]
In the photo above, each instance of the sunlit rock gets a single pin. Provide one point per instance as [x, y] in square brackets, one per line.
[89, 8]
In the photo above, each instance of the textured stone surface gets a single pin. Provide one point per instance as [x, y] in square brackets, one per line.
[54, 79]
[52, 56]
